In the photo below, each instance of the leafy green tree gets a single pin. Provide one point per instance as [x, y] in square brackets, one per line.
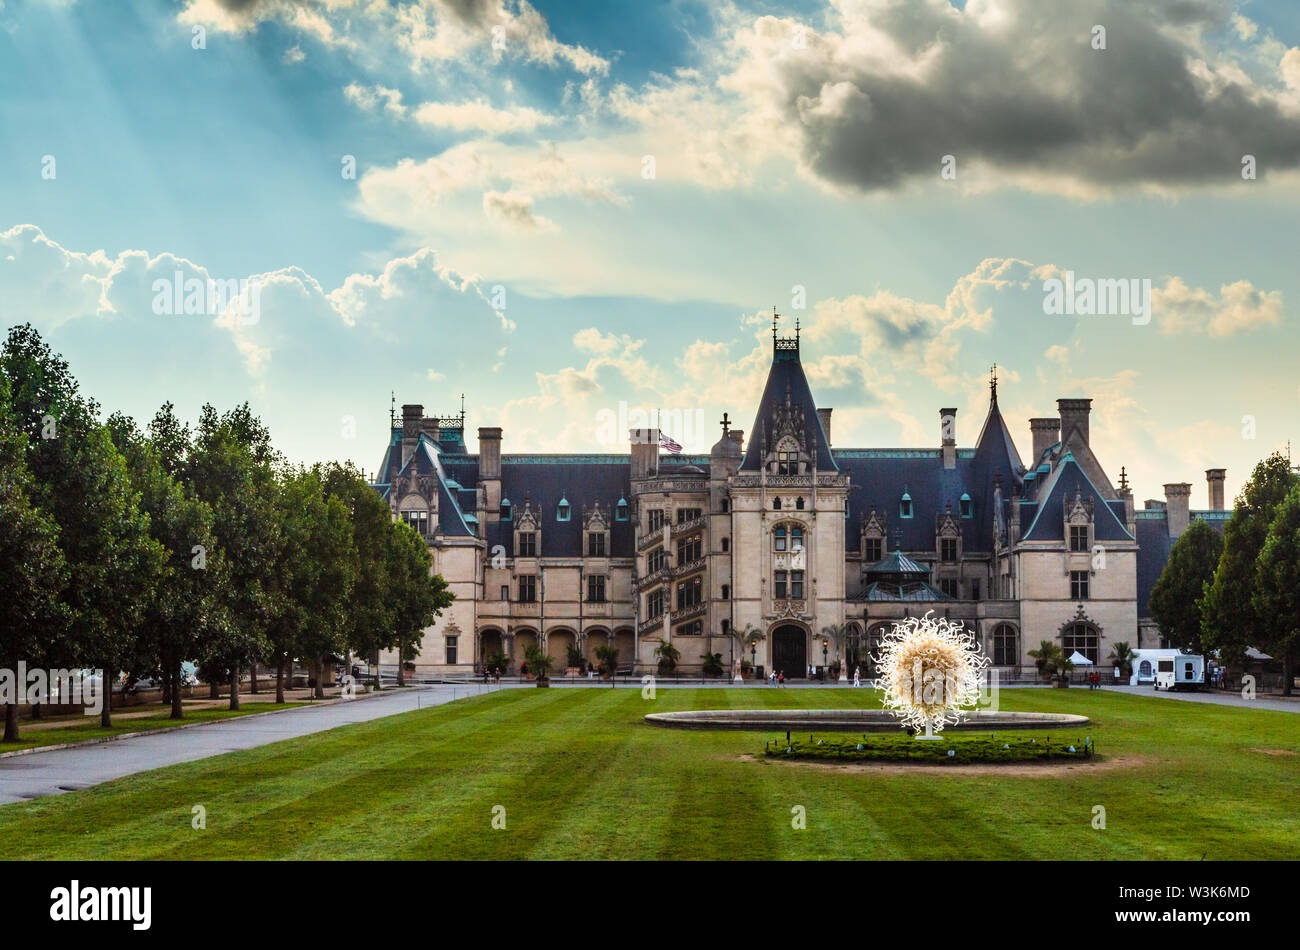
[419, 595]
[186, 594]
[539, 663]
[607, 654]
[1176, 597]
[312, 588]
[232, 467]
[372, 621]
[32, 569]
[668, 657]
[82, 483]
[1122, 655]
[1277, 595]
[1230, 619]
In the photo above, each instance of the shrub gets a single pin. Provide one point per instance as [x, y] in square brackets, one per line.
[964, 749]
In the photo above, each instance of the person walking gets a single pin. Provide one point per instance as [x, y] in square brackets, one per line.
[857, 679]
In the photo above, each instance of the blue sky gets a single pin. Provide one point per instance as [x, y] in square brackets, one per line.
[501, 237]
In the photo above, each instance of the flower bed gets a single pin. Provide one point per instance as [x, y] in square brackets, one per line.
[956, 749]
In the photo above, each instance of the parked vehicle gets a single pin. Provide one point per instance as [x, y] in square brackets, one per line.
[1185, 671]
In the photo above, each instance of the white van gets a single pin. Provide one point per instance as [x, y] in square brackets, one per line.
[1185, 671]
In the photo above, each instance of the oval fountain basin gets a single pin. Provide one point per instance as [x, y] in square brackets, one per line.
[849, 720]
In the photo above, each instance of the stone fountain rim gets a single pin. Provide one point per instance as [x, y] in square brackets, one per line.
[851, 720]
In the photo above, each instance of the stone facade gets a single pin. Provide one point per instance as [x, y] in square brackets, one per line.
[782, 550]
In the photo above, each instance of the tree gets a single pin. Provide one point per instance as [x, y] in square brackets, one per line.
[607, 654]
[32, 569]
[185, 593]
[1176, 597]
[837, 633]
[312, 588]
[1122, 655]
[1277, 595]
[372, 622]
[1230, 619]
[743, 638]
[419, 595]
[539, 663]
[81, 481]
[668, 657]
[1050, 659]
[232, 469]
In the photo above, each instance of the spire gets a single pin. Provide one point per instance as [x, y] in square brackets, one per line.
[993, 384]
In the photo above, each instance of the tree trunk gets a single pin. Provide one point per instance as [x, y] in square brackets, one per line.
[212, 690]
[177, 711]
[401, 661]
[279, 681]
[320, 678]
[252, 686]
[106, 714]
[1288, 671]
[36, 710]
[11, 722]
[234, 686]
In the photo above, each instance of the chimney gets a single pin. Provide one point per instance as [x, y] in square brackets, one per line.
[824, 417]
[1177, 501]
[1074, 416]
[1046, 433]
[1214, 478]
[411, 416]
[948, 436]
[645, 452]
[489, 453]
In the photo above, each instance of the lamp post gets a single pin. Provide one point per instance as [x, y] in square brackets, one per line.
[753, 654]
[824, 645]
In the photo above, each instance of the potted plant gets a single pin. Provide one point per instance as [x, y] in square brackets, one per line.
[575, 660]
[668, 657]
[1122, 655]
[539, 665]
[712, 664]
[608, 657]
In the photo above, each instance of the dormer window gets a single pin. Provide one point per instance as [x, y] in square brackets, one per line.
[905, 506]
[620, 510]
[563, 510]
[966, 511]
[506, 509]
[787, 463]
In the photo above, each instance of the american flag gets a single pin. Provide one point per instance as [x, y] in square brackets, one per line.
[667, 442]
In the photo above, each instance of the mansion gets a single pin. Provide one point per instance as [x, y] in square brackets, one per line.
[783, 535]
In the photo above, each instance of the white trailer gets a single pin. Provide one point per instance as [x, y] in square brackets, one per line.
[1183, 671]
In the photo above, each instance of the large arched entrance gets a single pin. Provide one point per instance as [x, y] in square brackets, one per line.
[790, 651]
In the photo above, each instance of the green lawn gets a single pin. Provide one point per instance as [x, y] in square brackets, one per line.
[581, 776]
[81, 728]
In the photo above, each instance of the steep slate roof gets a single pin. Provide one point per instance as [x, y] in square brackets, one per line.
[1049, 520]
[786, 376]
[1154, 545]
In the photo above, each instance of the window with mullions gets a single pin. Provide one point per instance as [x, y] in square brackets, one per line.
[1078, 585]
[796, 585]
[654, 604]
[689, 550]
[418, 520]
[528, 544]
[687, 514]
[595, 544]
[689, 593]
[1079, 538]
[1006, 651]
[527, 588]
[596, 589]
[780, 584]
[1081, 638]
[873, 549]
[655, 519]
[948, 549]
[655, 561]
[787, 463]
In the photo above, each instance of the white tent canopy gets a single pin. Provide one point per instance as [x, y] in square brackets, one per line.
[1078, 659]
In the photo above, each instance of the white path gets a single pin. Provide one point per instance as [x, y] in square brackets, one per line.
[61, 770]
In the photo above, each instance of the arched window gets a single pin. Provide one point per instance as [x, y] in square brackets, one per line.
[776, 504]
[966, 506]
[562, 512]
[620, 510]
[905, 506]
[1144, 668]
[506, 509]
[1080, 637]
[1006, 651]
[799, 503]
[778, 538]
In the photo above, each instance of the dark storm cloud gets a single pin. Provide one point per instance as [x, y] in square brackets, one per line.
[1027, 92]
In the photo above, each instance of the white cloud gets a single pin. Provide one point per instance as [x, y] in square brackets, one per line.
[481, 116]
[1237, 308]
